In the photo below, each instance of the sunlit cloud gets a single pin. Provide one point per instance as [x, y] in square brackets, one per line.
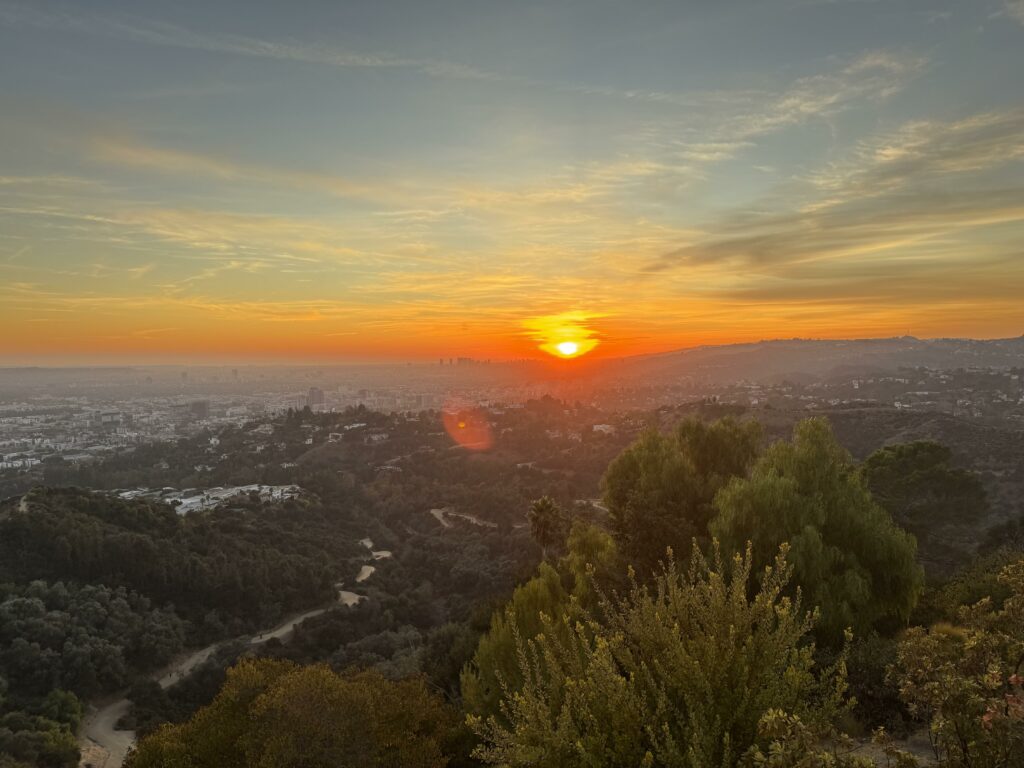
[567, 334]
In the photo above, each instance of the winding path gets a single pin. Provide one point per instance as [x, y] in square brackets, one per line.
[100, 727]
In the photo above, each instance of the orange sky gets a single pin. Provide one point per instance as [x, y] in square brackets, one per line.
[231, 183]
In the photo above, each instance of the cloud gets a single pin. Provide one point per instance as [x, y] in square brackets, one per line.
[165, 34]
[129, 153]
[924, 151]
[1015, 8]
[855, 232]
[874, 76]
[920, 183]
[171, 35]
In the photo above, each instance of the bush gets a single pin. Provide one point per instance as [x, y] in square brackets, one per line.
[678, 674]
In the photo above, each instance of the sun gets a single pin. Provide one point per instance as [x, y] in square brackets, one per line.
[566, 336]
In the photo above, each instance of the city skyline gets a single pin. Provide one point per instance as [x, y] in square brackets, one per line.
[409, 181]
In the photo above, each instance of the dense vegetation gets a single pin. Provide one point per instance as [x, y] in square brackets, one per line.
[940, 504]
[678, 673]
[246, 567]
[607, 653]
[273, 713]
[849, 558]
[660, 491]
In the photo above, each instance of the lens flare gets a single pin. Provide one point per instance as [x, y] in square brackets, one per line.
[467, 425]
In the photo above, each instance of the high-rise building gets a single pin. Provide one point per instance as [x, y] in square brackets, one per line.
[315, 397]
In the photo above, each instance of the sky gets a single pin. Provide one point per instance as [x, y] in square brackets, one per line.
[374, 180]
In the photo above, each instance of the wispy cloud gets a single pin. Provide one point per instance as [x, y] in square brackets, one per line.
[130, 153]
[908, 195]
[152, 32]
[923, 151]
[873, 76]
[166, 34]
[171, 35]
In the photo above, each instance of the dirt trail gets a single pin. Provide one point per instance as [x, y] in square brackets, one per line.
[100, 726]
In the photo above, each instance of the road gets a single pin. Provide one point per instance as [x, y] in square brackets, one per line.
[100, 727]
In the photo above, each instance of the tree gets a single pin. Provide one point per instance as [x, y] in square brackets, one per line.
[660, 490]
[848, 556]
[677, 674]
[917, 484]
[495, 665]
[273, 713]
[967, 681]
[548, 524]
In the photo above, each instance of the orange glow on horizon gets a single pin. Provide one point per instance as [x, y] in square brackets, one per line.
[566, 335]
[105, 331]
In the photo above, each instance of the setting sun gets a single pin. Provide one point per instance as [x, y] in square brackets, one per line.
[568, 348]
[565, 335]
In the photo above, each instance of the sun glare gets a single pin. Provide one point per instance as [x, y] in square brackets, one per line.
[566, 335]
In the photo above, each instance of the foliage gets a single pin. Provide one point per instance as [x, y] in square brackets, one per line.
[785, 741]
[548, 524]
[967, 680]
[917, 484]
[877, 697]
[660, 490]
[237, 563]
[42, 734]
[448, 649]
[676, 674]
[83, 639]
[978, 580]
[495, 665]
[849, 557]
[272, 713]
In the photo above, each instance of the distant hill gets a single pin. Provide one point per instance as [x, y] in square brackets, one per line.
[811, 359]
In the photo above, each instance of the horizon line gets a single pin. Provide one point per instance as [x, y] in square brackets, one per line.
[433, 361]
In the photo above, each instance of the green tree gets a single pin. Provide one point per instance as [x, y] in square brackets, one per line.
[495, 665]
[271, 714]
[676, 674]
[848, 556]
[548, 524]
[937, 502]
[660, 490]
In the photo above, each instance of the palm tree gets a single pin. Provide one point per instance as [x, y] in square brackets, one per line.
[547, 523]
